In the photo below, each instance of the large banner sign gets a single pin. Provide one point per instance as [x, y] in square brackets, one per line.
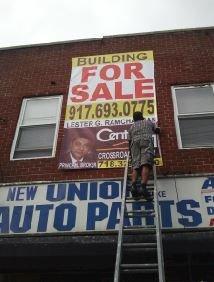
[95, 206]
[104, 92]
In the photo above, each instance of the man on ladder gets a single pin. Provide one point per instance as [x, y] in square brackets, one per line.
[142, 153]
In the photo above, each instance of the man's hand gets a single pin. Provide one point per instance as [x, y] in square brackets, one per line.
[157, 130]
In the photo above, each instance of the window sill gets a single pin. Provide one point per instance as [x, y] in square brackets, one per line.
[32, 158]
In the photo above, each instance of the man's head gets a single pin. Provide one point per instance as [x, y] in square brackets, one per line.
[81, 142]
[80, 147]
[137, 116]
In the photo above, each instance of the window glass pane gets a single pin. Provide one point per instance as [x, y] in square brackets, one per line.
[197, 132]
[39, 111]
[195, 100]
[35, 137]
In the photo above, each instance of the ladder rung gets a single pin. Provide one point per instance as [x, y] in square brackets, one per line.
[139, 227]
[132, 200]
[140, 245]
[129, 180]
[129, 231]
[140, 197]
[140, 265]
[139, 270]
[140, 213]
[148, 186]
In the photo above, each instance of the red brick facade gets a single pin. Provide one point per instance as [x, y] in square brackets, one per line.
[181, 58]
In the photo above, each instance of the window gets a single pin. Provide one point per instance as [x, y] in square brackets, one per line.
[194, 116]
[37, 128]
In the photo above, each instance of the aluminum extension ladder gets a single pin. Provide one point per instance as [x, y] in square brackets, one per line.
[142, 248]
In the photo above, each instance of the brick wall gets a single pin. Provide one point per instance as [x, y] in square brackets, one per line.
[182, 57]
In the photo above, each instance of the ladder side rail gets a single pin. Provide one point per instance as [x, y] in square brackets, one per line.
[158, 230]
[120, 232]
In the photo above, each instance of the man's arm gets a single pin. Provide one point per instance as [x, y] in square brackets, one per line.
[155, 129]
[130, 146]
[129, 140]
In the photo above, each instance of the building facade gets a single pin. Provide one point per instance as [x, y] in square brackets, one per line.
[50, 229]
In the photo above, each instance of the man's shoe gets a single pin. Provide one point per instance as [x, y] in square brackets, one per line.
[145, 193]
[134, 191]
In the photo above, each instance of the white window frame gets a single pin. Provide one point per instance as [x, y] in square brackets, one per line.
[176, 114]
[19, 124]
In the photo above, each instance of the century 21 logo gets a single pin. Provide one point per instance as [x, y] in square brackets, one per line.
[106, 134]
